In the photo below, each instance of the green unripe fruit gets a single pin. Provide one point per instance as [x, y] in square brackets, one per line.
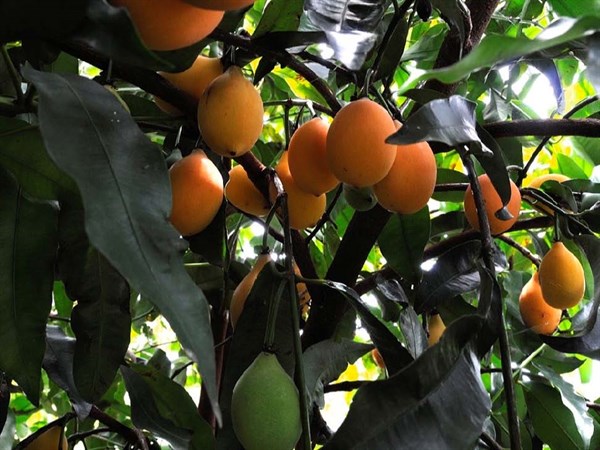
[361, 199]
[265, 407]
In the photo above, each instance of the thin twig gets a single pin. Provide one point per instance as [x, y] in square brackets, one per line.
[490, 442]
[326, 217]
[536, 260]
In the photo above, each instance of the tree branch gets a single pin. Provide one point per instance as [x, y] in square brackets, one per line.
[545, 127]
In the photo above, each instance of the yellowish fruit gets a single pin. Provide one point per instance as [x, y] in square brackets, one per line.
[194, 80]
[307, 158]
[197, 191]
[49, 440]
[537, 182]
[241, 193]
[304, 209]
[230, 114]
[409, 184]
[492, 205]
[561, 277]
[356, 150]
[265, 406]
[170, 24]
[536, 313]
[378, 358]
[241, 292]
[221, 5]
[436, 328]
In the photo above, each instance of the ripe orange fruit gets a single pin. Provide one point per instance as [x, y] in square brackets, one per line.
[561, 277]
[409, 184]
[304, 209]
[221, 5]
[436, 328]
[170, 24]
[241, 193]
[230, 114]
[49, 440]
[536, 313]
[493, 204]
[356, 150]
[538, 181]
[307, 158]
[197, 190]
[193, 80]
[241, 292]
[265, 406]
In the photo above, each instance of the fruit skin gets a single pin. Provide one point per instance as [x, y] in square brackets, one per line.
[492, 204]
[409, 184]
[170, 24]
[378, 358]
[197, 191]
[241, 292]
[241, 193]
[307, 158]
[361, 199]
[538, 181]
[304, 209]
[194, 80]
[356, 150]
[221, 5]
[561, 277]
[230, 114]
[48, 440]
[265, 406]
[536, 313]
[436, 327]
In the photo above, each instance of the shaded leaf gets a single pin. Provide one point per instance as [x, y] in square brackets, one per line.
[127, 202]
[279, 15]
[393, 51]
[450, 176]
[28, 242]
[412, 330]
[325, 361]
[58, 363]
[404, 410]
[456, 13]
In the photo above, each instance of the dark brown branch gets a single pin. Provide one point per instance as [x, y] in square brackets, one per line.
[130, 434]
[536, 260]
[545, 127]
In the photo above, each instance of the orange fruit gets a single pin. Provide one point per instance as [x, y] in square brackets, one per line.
[193, 80]
[307, 158]
[409, 184]
[197, 190]
[241, 193]
[241, 292]
[170, 24]
[49, 440]
[436, 328]
[538, 181]
[221, 5]
[356, 150]
[493, 204]
[536, 313]
[230, 114]
[561, 277]
[304, 209]
[378, 358]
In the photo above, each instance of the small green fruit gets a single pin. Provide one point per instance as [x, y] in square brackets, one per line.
[361, 199]
[265, 407]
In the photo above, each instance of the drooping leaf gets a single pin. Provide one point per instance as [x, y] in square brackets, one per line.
[325, 361]
[456, 13]
[404, 410]
[391, 297]
[127, 203]
[350, 26]
[58, 363]
[279, 15]
[413, 332]
[403, 240]
[393, 51]
[28, 242]
[552, 421]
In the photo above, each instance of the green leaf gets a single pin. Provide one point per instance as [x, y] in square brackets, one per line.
[403, 241]
[127, 202]
[393, 51]
[438, 401]
[450, 176]
[575, 9]
[567, 166]
[325, 361]
[28, 243]
[34, 170]
[454, 12]
[552, 421]
[279, 15]
[496, 48]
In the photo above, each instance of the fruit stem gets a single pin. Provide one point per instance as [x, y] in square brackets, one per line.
[291, 282]
[487, 244]
[269, 338]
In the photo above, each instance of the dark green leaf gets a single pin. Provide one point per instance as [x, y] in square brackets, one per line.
[404, 410]
[127, 203]
[456, 13]
[28, 243]
[392, 53]
[450, 176]
[281, 40]
[403, 240]
[413, 332]
[58, 363]
[325, 361]
[279, 15]
[209, 243]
